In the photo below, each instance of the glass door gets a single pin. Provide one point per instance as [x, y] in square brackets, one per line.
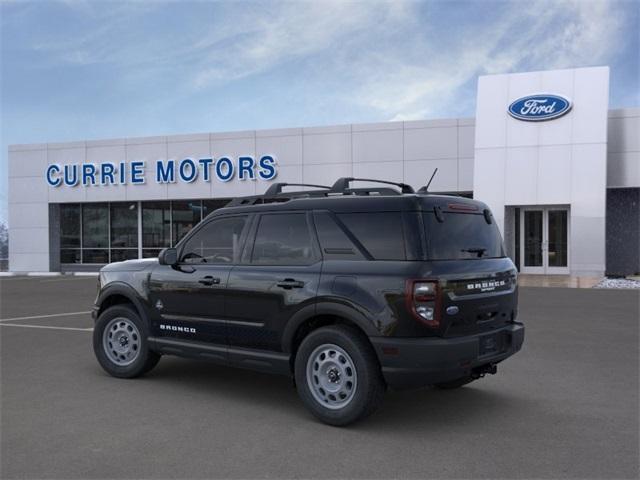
[532, 237]
[544, 240]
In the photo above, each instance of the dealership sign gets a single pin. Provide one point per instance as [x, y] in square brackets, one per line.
[536, 108]
[187, 170]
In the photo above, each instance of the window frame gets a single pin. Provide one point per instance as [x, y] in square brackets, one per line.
[247, 255]
[204, 223]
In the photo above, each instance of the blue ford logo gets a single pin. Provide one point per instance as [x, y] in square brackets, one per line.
[536, 108]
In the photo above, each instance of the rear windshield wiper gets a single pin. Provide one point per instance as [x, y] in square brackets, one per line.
[479, 251]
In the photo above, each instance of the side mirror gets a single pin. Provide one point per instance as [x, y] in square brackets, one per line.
[168, 256]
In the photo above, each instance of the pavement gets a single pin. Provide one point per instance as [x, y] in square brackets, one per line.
[566, 406]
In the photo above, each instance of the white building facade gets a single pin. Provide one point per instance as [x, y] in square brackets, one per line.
[560, 171]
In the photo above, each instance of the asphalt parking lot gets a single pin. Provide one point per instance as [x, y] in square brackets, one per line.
[565, 407]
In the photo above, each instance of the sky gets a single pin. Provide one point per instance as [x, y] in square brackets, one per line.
[78, 70]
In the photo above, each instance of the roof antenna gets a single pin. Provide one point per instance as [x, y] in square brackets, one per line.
[425, 189]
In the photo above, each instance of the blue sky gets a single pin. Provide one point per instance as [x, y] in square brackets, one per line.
[75, 70]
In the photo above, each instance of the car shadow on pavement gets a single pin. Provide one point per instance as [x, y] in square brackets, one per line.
[413, 409]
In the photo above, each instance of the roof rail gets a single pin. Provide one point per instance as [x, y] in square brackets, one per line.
[341, 187]
[276, 188]
[342, 184]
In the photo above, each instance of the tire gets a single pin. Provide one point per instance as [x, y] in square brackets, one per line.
[460, 382]
[125, 353]
[334, 357]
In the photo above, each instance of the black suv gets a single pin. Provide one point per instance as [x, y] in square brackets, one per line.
[348, 290]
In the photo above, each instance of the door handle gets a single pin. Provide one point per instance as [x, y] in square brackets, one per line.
[289, 283]
[209, 280]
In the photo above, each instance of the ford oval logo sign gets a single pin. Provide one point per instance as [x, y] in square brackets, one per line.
[536, 108]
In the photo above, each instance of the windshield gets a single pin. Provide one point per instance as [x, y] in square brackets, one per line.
[461, 236]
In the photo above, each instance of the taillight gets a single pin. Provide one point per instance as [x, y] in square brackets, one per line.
[423, 300]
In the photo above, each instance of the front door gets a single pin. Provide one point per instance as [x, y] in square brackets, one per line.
[188, 299]
[544, 240]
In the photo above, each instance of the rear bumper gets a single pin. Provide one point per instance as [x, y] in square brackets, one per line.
[417, 362]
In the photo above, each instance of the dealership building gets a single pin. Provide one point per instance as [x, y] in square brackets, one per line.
[558, 168]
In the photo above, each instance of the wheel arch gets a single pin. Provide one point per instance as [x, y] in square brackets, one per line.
[321, 315]
[119, 294]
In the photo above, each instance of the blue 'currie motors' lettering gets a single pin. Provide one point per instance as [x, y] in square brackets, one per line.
[187, 170]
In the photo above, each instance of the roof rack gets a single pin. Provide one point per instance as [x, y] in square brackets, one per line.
[276, 188]
[342, 184]
[341, 187]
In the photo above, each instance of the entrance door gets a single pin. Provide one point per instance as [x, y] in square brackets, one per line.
[544, 240]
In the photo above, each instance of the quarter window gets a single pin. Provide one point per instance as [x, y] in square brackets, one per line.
[216, 242]
[283, 239]
[380, 233]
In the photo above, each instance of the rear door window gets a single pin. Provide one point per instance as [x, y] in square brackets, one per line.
[461, 236]
[380, 233]
[283, 239]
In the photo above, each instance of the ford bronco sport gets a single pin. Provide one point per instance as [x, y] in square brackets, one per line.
[348, 290]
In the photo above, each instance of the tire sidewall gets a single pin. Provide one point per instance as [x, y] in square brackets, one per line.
[367, 375]
[138, 366]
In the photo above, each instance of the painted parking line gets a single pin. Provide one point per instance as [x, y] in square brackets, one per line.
[34, 317]
[49, 327]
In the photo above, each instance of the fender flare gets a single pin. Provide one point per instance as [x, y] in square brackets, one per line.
[127, 291]
[341, 310]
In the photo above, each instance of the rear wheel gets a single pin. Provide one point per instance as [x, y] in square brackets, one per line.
[337, 375]
[120, 343]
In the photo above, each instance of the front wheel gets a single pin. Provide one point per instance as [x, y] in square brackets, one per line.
[337, 375]
[120, 343]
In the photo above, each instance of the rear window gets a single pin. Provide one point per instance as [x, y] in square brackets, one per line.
[461, 236]
[380, 233]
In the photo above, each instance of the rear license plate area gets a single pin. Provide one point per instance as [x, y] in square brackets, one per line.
[491, 344]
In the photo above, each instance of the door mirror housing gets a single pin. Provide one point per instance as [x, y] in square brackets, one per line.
[168, 256]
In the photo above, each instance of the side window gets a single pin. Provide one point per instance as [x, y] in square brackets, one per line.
[283, 239]
[334, 242]
[379, 232]
[216, 242]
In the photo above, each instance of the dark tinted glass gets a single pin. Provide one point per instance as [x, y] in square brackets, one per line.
[95, 226]
[283, 240]
[379, 232]
[209, 206]
[156, 225]
[124, 225]
[70, 226]
[95, 256]
[461, 236]
[185, 215]
[334, 242]
[120, 254]
[70, 255]
[216, 242]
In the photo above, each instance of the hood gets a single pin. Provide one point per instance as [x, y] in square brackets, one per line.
[130, 265]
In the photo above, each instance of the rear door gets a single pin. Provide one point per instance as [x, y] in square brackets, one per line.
[278, 276]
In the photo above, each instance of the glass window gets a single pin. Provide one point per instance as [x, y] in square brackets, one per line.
[216, 242]
[462, 236]
[185, 215]
[379, 232]
[70, 226]
[70, 255]
[334, 241]
[95, 226]
[283, 240]
[209, 206]
[121, 254]
[95, 256]
[156, 225]
[124, 225]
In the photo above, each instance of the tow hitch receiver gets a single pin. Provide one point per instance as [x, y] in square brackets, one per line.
[479, 372]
